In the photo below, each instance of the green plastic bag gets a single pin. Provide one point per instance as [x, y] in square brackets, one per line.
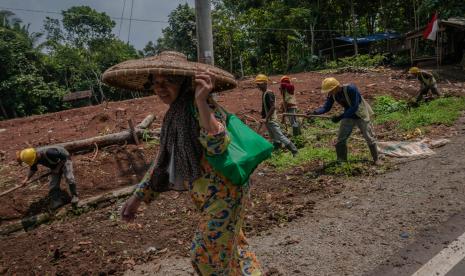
[245, 152]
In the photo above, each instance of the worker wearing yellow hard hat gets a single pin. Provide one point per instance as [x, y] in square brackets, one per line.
[269, 116]
[28, 156]
[261, 78]
[287, 90]
[427, 82]
[58, 160]
[414, 70]
[357, 112]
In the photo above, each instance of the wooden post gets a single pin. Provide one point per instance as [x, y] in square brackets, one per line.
[230, 51]
[133, 132]
[287, 54]
[3, 110]
[354, 25]
[332, 47]
[411, 51]
[242, 68]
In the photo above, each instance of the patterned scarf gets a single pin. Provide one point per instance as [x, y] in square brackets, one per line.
[180, 132]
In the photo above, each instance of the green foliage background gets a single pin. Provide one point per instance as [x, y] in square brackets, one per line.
[250, 36]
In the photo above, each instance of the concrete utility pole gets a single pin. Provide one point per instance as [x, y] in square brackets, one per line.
[354, 26]
[204, 31]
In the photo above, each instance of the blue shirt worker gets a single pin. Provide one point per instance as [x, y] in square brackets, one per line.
[357, 112]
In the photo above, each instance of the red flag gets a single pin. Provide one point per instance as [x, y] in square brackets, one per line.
[432, 28]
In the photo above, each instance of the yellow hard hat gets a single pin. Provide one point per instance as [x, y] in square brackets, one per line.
[261, 78]
[329, 84]
[414, 70]
[28, 156]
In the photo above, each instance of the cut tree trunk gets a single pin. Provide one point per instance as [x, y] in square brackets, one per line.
[83, 206]
[110, 139]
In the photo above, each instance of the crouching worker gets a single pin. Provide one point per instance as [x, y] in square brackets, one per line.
[427, 81]
[357, 112]
[58, 160]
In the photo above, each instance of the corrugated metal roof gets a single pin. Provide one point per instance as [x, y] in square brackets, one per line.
[370, 38]
[456, 21]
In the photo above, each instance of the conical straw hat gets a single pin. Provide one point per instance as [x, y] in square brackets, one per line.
[133, 74]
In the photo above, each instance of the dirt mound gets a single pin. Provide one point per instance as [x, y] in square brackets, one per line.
[98, 238]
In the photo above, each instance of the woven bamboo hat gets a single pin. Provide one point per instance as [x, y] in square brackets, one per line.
[133, 74]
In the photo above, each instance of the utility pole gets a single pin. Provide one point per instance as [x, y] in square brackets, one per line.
[354, 26]
[204, 31]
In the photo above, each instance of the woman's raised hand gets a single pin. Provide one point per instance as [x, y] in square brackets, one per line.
[205, 82]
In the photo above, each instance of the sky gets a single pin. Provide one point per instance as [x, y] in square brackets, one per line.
[141, 32]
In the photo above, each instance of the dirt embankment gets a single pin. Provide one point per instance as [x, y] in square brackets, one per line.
[97, 242]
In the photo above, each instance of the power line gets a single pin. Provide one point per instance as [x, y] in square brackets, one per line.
[121, 19]
[59, 13]
[130, 20]
[166, 22]
[294, 29]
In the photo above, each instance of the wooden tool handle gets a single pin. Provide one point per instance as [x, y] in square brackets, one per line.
[307, 116]
[20, 186]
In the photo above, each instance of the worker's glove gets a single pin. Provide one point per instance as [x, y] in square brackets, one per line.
[336, 119]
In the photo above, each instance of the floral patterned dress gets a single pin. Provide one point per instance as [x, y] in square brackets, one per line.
[219, 246]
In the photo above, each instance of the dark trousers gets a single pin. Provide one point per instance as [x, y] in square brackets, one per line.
[425, 89]
[67, 171]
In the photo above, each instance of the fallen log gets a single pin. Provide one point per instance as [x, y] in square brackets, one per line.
[83, 206]
[146, 122]
[110, 139]
[25, 224]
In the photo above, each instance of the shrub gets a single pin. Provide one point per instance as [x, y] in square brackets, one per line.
[357, 61]
[387, 104]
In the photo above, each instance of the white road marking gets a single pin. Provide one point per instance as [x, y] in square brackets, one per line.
[445, 260]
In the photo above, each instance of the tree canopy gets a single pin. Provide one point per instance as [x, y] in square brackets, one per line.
[250, 36]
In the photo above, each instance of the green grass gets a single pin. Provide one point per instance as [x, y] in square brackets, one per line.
[441, 111]
[284, 160]
[315, 142]
[350, 168]
[357, 61]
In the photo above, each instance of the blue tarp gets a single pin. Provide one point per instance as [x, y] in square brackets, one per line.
[369, 38]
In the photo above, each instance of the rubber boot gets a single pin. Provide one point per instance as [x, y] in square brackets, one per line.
[55, 199]
[296, 131]
[276, 145]
[374, 154]
[74, 195]
[292, 148]
[341, 152]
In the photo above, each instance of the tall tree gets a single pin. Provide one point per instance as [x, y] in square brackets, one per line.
[81, 46]
[23, 91]
[180, 35]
